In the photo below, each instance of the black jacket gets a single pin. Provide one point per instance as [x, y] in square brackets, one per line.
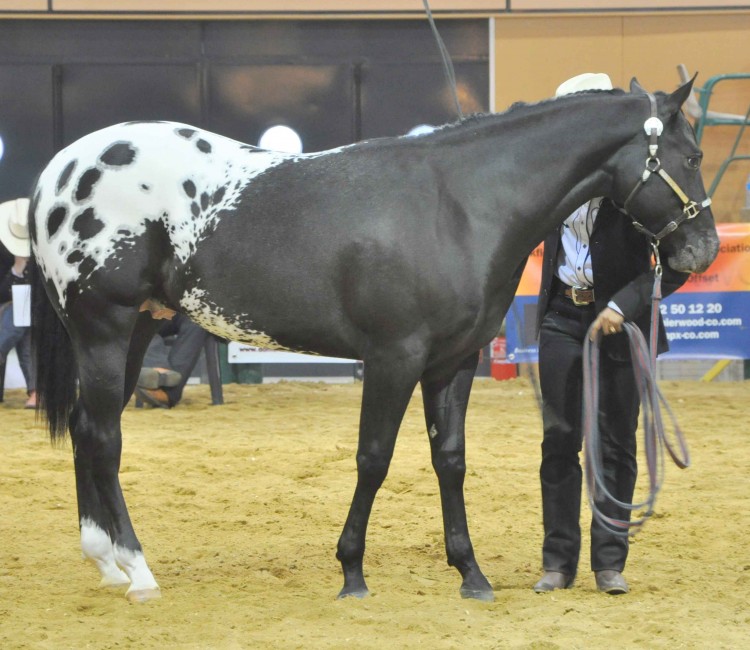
[8, 280]
[621, 265]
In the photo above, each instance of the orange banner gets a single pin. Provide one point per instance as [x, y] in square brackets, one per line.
[729, 272]
[731, 269]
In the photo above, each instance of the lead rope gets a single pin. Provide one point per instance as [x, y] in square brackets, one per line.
[655, 437]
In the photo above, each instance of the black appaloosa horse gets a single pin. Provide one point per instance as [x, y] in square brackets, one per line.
[402, 252]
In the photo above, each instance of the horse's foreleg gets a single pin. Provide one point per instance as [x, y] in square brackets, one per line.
[445, 404]
[388, 386]
[97, 446]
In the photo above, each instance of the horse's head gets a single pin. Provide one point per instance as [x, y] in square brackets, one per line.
[659, 183]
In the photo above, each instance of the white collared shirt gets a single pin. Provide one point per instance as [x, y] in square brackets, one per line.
[574, 256]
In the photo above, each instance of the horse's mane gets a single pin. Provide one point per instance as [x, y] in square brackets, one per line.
[515, 107]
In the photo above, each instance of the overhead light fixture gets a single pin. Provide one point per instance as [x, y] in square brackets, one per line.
[281, 138]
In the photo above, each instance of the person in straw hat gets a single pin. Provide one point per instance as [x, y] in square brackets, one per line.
[596, 271]
[16, 270]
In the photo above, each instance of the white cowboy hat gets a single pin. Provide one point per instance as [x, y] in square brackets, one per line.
[585, 81]
[14, 227]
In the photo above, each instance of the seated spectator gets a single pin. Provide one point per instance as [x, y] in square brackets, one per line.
[15, 269]
[166, 369]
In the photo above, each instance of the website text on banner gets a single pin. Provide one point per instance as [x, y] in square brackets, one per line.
[707, 318]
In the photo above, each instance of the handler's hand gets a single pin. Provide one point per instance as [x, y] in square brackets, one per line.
[608, 321]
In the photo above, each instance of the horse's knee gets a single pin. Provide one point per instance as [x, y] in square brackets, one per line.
[373, 468]
[449, 465]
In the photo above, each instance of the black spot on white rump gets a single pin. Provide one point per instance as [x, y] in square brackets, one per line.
[203, 146]
[186, 133]
[55, 219]
[87, 266]
[65, 176]
[87, 225]
[86, 183]
[218, 195]
[118, 155]
[189, 188]
[75, 257]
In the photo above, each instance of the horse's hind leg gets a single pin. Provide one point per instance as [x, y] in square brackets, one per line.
[388, 387]
[107, 535]
[445, 404]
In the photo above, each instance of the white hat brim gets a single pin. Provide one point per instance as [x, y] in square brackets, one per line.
[17, 246]
[585, 81]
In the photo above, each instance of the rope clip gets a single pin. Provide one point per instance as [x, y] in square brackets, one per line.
[657, 260]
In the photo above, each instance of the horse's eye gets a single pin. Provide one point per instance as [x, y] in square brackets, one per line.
[694, 161]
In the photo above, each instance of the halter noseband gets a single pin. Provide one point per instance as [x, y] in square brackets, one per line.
[690, 209]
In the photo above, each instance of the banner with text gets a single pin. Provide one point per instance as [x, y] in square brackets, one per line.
[707, 317]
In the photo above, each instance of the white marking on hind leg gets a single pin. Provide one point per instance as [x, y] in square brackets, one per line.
[96, 547]
[143, 586]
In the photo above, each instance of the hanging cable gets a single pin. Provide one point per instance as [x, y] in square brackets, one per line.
[447, 63]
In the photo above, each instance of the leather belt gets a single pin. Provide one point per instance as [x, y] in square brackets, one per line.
[579, 296]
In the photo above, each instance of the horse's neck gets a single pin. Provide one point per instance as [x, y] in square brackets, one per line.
[545, 160]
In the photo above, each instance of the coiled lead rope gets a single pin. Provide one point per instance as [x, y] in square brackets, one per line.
[655, 436]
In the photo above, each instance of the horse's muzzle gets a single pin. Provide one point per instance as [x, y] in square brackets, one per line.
[696, 256]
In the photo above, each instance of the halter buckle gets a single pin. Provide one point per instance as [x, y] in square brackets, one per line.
[691, 210]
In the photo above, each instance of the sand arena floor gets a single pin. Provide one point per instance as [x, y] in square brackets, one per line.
[239, 508]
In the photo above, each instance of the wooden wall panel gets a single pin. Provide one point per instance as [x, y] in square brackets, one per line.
[709, 45]
[633, 5]
[534, 54]
[23, 5]
[303, 6]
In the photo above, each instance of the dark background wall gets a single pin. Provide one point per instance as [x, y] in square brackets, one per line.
[334, 82]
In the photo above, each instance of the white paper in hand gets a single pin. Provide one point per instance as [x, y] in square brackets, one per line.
[21, 305]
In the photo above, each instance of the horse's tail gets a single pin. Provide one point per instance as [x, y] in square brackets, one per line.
[55, 361]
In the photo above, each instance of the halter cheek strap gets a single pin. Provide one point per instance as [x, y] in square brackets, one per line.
[690, 209]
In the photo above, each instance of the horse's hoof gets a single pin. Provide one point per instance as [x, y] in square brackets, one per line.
[485, 595]
[143, 595]
[353, 593]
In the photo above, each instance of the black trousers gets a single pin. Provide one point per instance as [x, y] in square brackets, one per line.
[181, 356]
[561, 339]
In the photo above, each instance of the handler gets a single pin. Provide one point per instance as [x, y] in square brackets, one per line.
[596, 269]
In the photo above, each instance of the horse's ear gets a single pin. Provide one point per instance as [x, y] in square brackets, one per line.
[635, 87]
[673, 103]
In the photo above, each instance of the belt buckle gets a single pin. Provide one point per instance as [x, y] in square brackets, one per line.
[574, 297]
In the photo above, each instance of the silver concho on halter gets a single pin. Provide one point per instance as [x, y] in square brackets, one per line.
[653, 127]
[653, 123]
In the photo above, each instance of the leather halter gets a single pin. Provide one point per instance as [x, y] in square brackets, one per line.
[690, 209]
